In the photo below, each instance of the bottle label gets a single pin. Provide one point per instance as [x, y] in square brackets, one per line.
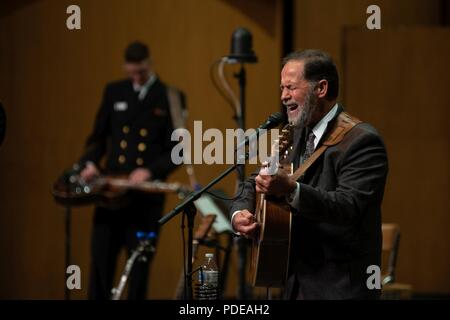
[209, 277]
[207, 287]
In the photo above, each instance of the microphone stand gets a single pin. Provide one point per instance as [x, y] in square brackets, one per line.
[187, 206]
[240, 116]
[241, 242]
[242, 81]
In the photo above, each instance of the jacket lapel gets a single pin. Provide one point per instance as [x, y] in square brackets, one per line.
[153, 95]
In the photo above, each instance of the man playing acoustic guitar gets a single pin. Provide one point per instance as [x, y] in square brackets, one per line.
[336, 204]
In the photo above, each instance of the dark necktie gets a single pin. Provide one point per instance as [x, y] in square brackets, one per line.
[137, 93]
[309, 146]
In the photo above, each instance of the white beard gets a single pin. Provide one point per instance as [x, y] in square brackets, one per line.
[303, 118]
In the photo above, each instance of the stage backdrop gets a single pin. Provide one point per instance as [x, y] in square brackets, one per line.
[403, 92]
[395, 78]
[51, 80]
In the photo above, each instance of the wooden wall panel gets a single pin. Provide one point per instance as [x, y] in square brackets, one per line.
[390, 83]
[51, 81]
[397, 80]
[320, 23]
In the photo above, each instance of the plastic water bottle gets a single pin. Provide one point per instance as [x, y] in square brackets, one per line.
[207, 287]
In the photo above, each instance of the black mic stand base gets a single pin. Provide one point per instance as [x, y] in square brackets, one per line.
[190, 211]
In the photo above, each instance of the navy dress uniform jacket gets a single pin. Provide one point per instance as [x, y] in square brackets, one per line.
[133, 133]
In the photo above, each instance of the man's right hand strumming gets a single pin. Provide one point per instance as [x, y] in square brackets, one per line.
[89, 172]
[244, 223]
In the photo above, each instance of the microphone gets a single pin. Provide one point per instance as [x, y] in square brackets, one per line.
[241, 47]
[272, 121]
[2, 123]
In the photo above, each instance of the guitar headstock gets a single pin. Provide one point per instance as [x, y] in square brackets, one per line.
[282, 145]
[279, 156]
[285, 141]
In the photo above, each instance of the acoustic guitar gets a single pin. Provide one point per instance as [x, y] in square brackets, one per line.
[270, 248]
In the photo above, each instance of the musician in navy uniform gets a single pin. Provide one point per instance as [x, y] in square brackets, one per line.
[132, 131]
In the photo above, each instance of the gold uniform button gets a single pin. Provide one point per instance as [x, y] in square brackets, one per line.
[143, 132]
[122, 159]
[125, 129]
[139, 161]
[123, 144]
[142, 147]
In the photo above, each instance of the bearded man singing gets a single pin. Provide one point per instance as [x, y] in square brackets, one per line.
[336, 205]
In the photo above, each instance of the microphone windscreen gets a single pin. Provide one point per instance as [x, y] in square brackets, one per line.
[275, 119]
